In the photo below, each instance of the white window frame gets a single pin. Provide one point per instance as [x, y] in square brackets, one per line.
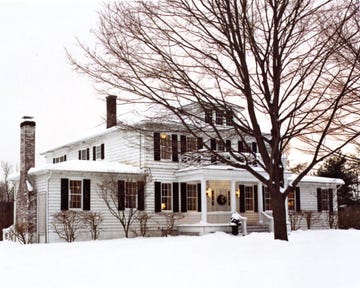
[130, 195]
[166, 197]
[83, 154]
[191, 144]
[267, 199]
[70, 193]
[165, 146]
[191, 199]
[249, 198]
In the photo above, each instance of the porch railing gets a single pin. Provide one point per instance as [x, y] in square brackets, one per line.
[268, 220]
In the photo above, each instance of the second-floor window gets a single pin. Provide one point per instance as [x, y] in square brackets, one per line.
[165, 146]
[59, 159]
[99, 152]
[84, 154]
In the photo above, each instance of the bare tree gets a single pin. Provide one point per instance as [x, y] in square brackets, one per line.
[93, 220]
[109, 193]
[6, 190]
[278, 59]
[68, 224]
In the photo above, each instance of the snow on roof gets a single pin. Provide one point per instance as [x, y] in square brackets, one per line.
[317, 179]
[96, 132]
[87, 166]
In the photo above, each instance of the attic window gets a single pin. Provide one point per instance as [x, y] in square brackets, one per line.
[84, 154]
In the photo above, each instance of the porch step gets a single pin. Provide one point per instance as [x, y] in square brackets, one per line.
[257, 228]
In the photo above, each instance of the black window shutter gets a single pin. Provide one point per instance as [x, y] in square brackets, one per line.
[254, 147]
[199, 196]
[94, 153]
[240, 146]
[331, 204]
[176, 197]
[242, 198]
[86, 194]
[156, 146]
[297, 199]
[141, 195]
[157, 196]
[182, 144]
[88, 153]
[174, 148]
[53, 160]
[121, 195]
[102, 151]
[228, 145]
[183, 197]
[318, 193]
[213, 144]
[256, 208]
[200, 144]
[64, 157]
[79, 154]
[64, 194]
[263, 195]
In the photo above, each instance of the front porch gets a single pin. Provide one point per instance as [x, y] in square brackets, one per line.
[223, 191]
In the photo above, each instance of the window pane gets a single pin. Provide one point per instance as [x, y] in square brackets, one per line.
[130, 194]
[75, 194]
[192, 197]
[166, 196]
[165, 146]
[249, 198]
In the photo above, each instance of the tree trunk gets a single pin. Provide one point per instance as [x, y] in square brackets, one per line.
[279, 215]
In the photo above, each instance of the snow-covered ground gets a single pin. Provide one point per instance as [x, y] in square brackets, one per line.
[310, 259]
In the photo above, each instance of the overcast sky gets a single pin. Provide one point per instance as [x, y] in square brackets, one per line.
[36, 78]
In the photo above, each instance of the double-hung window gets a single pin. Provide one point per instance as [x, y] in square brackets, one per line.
[249, 198]
[165, 146]
[130, 194]
[75, 194]
[166, 196]
[191, 197]
[267, 199]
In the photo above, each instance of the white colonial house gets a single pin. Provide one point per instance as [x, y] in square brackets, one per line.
[159, 171]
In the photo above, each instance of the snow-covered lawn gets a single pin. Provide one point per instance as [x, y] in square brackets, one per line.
[310, 259]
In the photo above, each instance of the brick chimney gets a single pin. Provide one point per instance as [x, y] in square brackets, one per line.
[111, 117]
[26, 197]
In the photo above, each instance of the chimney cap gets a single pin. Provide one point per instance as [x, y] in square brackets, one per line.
[27, 121]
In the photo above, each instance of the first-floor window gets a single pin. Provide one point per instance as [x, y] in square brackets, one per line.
[166, 196]
[191, 197]
[267, 199]
[75, 194]
[324, 199]
[291, 201]
[130, 194]
[249, 198]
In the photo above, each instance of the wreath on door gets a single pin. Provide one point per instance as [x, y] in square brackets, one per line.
[221, 199]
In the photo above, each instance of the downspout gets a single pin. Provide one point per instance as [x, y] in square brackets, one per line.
[47, 209]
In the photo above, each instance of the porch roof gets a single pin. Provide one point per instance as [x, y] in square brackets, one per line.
[216, 172]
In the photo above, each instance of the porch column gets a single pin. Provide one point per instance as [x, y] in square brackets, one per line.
[260, 202]
[233, 196]
[203, 201]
